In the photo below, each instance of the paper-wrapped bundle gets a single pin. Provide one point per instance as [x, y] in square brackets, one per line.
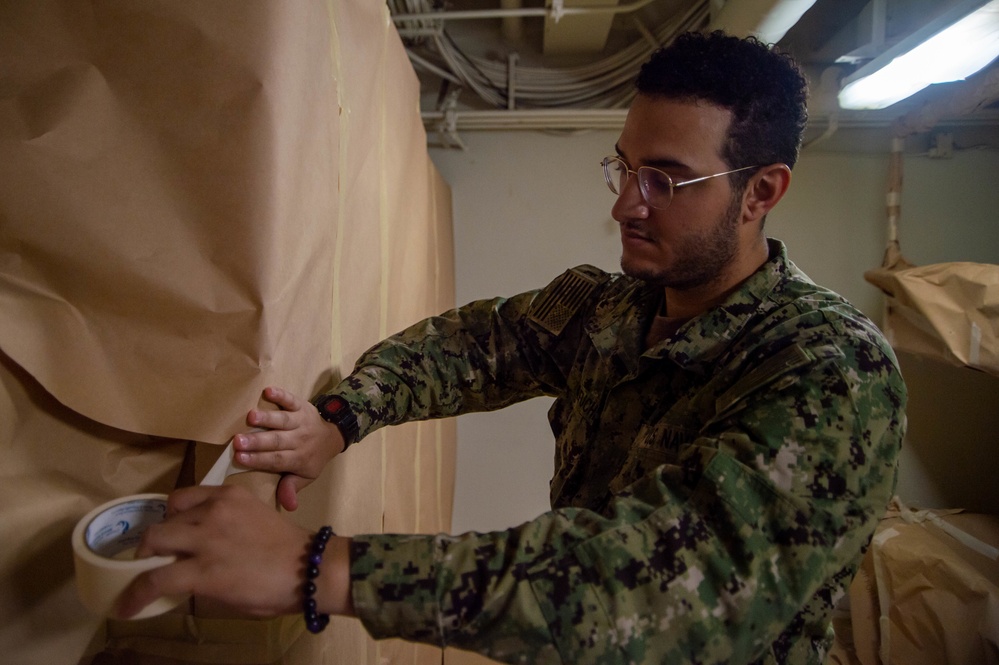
[945, 311]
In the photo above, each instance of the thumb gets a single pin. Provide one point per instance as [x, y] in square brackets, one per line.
[287, 490]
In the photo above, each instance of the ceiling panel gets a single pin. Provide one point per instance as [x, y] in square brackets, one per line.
[580, 68]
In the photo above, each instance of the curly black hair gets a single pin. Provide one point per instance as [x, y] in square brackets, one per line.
[764, 89]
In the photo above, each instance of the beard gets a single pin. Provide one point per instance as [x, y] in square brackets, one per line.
[701, 259]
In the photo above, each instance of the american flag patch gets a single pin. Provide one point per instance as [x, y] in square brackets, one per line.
[555, 309]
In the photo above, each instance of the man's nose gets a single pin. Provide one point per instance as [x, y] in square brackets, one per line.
[630, 203]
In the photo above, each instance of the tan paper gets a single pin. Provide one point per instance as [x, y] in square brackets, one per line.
[198, 200]
[945, 311]
[148, 162]
[927, 592]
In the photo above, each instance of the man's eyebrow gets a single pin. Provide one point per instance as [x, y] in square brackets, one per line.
[665, 163]
[668, 165]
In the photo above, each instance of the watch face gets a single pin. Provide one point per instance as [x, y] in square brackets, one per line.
[335, 409]
[333, 406]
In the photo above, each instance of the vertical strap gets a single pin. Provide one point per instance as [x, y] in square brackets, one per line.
[884, 596]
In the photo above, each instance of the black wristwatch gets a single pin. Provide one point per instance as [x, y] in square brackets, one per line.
[335, 409]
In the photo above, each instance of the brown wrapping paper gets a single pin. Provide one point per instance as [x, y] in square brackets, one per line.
[196, 201]
[151, 153]
[927, 593]
[944, 311]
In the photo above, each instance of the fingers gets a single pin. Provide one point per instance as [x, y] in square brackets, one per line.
[266, 441]
[283, 398]
[299, 450]
[279, 461]
[285, 417]
[171, 537]
[185, 499]
[271, 451]
[177, 533]
[174, 579]
[135, 597]
[283, 420]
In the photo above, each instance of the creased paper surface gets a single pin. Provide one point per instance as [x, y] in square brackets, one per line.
[169, 190]
[945, 311]
[199, 199]
[924, 595]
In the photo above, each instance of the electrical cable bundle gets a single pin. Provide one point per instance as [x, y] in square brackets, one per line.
[604, 84]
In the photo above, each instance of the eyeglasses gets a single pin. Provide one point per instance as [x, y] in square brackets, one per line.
[656, 186]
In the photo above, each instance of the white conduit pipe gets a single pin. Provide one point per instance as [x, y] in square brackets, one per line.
[458, 15]
[613, 118]
[426, 65]
[530, 119]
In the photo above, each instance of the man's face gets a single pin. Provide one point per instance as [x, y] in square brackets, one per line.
[690, 243]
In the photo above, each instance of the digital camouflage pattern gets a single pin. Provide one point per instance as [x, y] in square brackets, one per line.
[712, 495]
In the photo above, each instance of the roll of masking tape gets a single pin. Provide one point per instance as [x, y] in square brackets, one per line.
[104, 543]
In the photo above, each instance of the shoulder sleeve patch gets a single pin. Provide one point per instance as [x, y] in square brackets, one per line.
[560, 302]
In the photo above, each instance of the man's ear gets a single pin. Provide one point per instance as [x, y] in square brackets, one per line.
[767, 186]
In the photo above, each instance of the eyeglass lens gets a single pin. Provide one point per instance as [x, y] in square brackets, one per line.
[656, 186]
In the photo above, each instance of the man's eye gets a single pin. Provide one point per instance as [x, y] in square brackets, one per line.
[657, 179]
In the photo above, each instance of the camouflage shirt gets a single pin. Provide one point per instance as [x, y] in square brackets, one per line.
[712, 494]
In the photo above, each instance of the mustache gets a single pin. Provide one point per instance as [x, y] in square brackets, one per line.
[636, 228]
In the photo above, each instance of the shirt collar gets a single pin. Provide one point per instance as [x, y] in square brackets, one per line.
[703, 338]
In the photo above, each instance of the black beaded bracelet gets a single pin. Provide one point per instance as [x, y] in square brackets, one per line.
[314, 621]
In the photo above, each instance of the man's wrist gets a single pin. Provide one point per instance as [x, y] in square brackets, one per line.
[334, 594]
[336, 411]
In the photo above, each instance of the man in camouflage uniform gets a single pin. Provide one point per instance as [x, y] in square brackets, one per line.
[727, 431]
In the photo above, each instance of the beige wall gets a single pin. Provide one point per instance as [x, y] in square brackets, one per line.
[527, 205]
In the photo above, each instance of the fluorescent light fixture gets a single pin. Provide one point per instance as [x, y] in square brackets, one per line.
[954, 46]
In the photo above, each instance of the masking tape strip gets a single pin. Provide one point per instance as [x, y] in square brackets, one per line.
[884, 598]
[975, 344]
[224, 466]
[960, 535]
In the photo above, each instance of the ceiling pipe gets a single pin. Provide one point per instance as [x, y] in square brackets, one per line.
[513, 26]
[768, 20]
[555, 11]
[613, 119]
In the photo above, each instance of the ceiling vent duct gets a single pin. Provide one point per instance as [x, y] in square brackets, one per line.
[768, 20]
